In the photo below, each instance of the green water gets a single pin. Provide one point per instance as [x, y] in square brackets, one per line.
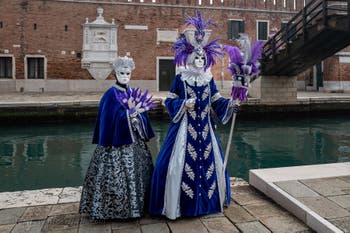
[47, 156]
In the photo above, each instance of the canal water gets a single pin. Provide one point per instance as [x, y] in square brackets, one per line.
[47, 156]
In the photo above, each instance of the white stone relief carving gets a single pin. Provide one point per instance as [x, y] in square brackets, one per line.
[99, 46]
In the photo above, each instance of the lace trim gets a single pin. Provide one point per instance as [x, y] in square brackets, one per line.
[210, 171]
[205, 112]
[192, 151]
[187, 189]
[211, 190]
[172, 95]
[205, 93]
[205, 131]
[194, 76]
[192, 131]
[207, 151]
[215, 97]
[189, 171]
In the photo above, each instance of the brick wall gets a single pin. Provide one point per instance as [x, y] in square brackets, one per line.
[61, 47]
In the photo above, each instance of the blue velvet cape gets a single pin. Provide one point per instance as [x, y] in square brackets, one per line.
[112, 126]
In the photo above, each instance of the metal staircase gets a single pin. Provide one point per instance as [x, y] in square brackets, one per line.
[319, 30]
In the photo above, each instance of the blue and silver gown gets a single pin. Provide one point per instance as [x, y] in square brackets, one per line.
[188, 179]
[116, 184]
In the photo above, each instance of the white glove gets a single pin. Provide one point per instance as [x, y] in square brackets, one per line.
[135, 121]
[190, 103]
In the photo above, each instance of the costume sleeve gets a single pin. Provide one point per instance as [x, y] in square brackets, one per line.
[112, 126]
[175, 102]
[222, 107]
[145, 126]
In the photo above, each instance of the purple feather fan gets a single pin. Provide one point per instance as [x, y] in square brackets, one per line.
[134, 100]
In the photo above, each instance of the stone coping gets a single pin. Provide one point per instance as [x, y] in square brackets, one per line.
[316, 194]
[57, 196]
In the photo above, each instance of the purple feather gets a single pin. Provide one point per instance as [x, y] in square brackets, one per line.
[212, 51]
[256, 51]
[198, 22]
[239, 93]
[234, 53]
[182, 49]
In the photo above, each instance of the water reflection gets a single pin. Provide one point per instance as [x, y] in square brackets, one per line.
[58, 155]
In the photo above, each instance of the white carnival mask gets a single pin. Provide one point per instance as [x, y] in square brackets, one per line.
[199, 61]
[123, 75]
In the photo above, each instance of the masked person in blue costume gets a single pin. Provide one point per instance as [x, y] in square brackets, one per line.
[117, 181]
[188, 179]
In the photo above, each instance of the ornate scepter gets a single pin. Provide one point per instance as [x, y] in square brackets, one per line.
[244, 65]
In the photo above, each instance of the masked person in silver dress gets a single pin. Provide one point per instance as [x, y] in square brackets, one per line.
[117, 180]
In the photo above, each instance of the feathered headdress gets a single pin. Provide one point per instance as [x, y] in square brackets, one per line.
[193, 41]
[244, 64]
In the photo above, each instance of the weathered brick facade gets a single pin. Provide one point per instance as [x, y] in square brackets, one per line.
[53, 28]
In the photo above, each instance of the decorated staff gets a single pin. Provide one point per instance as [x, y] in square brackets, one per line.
[244, 65]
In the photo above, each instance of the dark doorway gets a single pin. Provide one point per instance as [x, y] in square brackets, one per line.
[166, 71]
[319, 75]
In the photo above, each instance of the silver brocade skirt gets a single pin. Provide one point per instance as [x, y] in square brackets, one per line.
[117, 182]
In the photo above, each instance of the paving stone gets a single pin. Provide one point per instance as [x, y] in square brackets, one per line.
[217, 215]
[252, 227]
[327, 186]
[151, 220]
[187, 226]
[95, 228]
[245, 195]
[324, 207]
[155, 228]
[219, 225]
[283, 224]
[32, 227]
[343, 201]
[70, 194]
[67, 208]
[345, 178]
[265, 210]
[9, 216]
[342, 223]
[124, 224]
[29, 198]
[64, 223]
[133, 229]
[6, 228]
[35, 213]
[238, 214]
[296, 189]
[85, 219]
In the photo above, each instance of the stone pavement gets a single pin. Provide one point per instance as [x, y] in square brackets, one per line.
[328, 197]
[250, 212]
[319, 195]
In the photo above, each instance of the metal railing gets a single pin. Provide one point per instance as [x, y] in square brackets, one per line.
[315, 12]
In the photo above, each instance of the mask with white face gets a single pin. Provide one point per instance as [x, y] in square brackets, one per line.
[199, 61]
[123, 75]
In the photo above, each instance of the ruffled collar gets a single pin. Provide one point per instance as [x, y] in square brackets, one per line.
[195, 77]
